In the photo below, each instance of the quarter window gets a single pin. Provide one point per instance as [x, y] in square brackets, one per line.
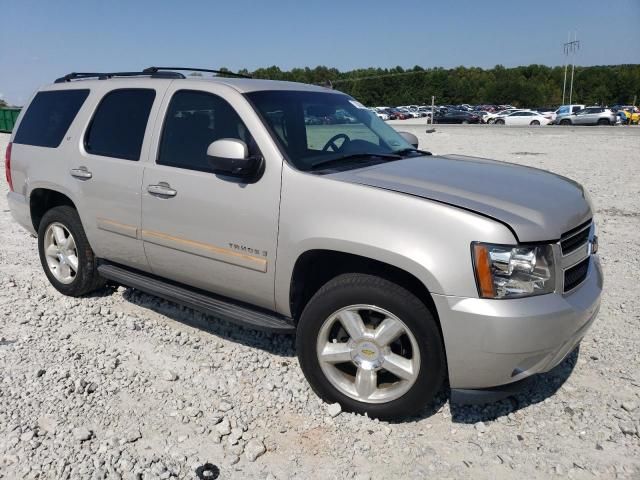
[49, 116]
[118, 126]
[194, 120]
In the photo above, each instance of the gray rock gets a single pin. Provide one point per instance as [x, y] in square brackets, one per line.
[169, 376]
[334, 410]
[480, 427]
[82, 434]
[254, 449]
[224, 427]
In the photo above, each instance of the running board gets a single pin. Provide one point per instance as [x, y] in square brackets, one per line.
[211, 304]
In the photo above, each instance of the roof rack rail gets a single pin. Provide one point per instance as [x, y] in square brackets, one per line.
[219, 72]
[106, 75]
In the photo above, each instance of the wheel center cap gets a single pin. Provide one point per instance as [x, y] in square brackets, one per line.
[366, 354]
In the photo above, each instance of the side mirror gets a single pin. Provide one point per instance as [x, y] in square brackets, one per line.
[410, 137]
[229, 156]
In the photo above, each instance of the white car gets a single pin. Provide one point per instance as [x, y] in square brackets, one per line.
[523, 117]
[380, 114]
[492, 117]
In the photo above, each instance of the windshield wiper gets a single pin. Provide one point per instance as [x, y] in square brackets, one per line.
[404, 151]
[353, 156]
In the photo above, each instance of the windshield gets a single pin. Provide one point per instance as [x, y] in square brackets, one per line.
[316, 128]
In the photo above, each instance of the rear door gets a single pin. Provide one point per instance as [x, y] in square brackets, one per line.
[106, 171]
[517, 118]
[583, 117]
[207, 230]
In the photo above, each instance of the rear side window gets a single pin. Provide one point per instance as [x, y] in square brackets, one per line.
[48, 117]
[118, 126]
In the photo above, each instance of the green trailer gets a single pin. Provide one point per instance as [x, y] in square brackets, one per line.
[8, 117]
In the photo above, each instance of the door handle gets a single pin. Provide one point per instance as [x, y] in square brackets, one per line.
[81, 172]
[162, 189]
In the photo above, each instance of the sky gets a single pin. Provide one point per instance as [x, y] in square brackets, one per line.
[42, 40]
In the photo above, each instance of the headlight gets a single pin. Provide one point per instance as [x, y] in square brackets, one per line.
[507, 272]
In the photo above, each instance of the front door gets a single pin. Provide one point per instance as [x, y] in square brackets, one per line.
[212, 232]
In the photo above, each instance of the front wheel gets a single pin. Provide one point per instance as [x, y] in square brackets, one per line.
[372, 346]
[65, 253]
[603, 121]
[565, 123]
[465, 122]
[499, 122]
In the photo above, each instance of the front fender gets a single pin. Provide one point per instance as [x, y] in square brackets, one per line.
[429, 240]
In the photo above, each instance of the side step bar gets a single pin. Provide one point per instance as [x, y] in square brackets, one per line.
[241, 314]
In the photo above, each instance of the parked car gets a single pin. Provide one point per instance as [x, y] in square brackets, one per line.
[523, 117]
[492, 117]
[482, 114]
[628, 115]
[382, 115]
[567, 110]
[588, 116]
[456, 116]
[395, 269]
[399, 114]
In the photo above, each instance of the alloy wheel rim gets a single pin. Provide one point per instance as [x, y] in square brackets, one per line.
[368, 354]
[61, 253]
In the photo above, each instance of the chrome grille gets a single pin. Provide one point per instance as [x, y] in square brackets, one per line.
[575, 275]
[575, 238]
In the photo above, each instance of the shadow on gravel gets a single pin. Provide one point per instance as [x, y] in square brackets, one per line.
[283, 345]
[543, 387]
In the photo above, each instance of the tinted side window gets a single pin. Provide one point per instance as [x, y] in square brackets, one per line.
[48, 117]
[194, 120]
[118, 126]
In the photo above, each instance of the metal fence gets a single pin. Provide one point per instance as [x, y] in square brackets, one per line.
[8, 117]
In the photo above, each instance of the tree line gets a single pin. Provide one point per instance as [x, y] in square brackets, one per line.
[532, 85]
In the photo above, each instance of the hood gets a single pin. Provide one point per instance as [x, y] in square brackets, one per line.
[537, 205]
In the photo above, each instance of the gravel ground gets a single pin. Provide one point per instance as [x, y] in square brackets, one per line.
[123, 385]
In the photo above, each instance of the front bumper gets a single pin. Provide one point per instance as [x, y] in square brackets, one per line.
[19, 206]
[492, 343]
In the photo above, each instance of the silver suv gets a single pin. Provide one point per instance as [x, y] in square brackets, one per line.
[588, 116]
[293, 208]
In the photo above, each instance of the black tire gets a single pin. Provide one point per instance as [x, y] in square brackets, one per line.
[565, 122]
[499, 122]
[535, 122]
[490, 121]
[603, 121]
[87, 278]
[353, 289]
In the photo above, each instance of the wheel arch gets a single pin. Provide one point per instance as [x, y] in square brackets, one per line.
[313, 268]
[43, 199]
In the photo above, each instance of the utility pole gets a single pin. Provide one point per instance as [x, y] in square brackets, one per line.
[570, 49]
[433, 100]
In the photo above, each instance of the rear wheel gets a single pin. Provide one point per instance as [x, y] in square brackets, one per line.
[370, 345]
[565, 122]
[65, 254]
[490, 121]
[603, 121]
[499, 121]
[535, 122]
